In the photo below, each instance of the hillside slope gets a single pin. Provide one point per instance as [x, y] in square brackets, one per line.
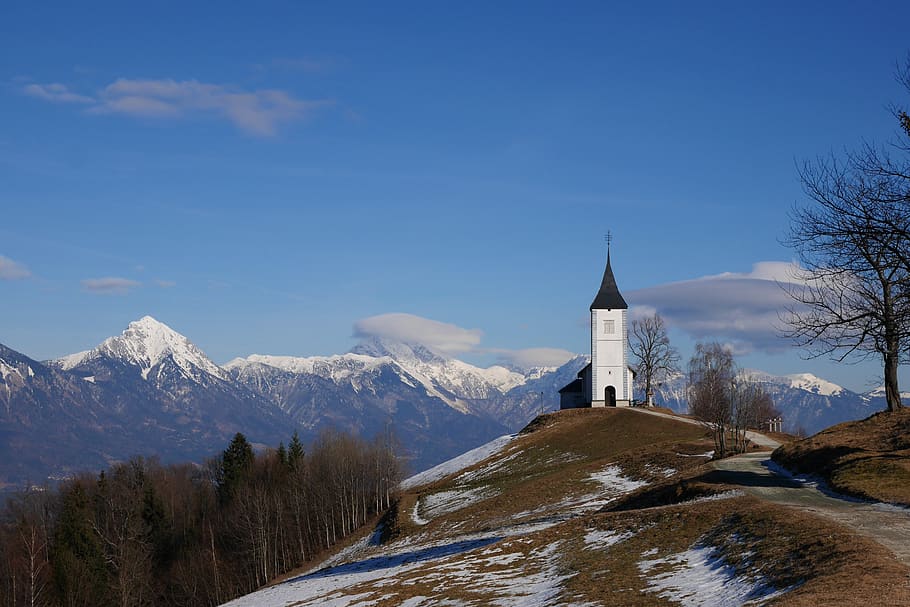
[869, 459]
[593, 507]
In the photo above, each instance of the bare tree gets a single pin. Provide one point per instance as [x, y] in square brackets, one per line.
[657, 359]
[855, 297]
[751, 405]
[711, 375]
[727, 401]
[854, 241]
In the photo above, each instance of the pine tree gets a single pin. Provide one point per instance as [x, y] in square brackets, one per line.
[80, 576]
[282, 455]
[236, 462]
[295, 452]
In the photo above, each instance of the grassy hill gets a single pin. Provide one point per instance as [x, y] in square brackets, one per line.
[596, 507]
[869, 458]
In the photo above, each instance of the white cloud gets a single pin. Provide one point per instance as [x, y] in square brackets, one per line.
[110, 285]
[775, 271]
[12, 270]
[535, 357]
[439, 336]
[743, 309]
[165, 284]
[258, 112]
[55, 92]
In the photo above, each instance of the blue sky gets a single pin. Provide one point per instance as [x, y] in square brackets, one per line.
[279, 178]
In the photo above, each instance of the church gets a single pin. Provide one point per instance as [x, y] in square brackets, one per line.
[607, 380]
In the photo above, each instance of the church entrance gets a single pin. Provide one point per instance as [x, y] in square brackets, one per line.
[610, 396]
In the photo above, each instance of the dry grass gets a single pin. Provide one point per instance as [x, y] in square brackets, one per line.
[823, 564]
[868, 458]
[550, 463]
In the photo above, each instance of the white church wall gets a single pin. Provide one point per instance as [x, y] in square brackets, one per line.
[609, 356]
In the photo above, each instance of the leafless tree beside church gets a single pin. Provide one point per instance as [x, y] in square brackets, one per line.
[658, 360]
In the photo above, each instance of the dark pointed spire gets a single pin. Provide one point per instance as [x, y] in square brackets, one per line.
[609, 297]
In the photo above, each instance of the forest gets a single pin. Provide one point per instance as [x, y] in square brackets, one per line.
[143, 534]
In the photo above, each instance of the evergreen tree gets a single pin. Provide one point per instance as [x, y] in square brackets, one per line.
[295, 452]
[80, 575]
[282, 455]
[159, 529]
[236, 462]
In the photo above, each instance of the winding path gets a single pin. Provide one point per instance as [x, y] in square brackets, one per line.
[753, 473]
[886, 524]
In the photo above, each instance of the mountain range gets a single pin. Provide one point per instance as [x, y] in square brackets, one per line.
[150, 391]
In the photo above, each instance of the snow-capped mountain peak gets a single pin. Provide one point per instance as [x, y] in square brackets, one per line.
[145, 343]
[814, 384]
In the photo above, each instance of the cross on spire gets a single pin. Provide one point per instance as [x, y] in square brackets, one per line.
[609, 239]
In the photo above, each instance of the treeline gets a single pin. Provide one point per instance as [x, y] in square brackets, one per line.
[144, 534]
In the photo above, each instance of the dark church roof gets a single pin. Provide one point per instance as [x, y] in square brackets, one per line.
[609, 297]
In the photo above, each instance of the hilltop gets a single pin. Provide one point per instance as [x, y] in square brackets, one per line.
[596, 507]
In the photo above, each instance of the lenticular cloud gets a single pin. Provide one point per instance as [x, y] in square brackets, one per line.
[442, 337]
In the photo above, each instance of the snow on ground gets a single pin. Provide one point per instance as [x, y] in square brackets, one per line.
[444, 502]
[487, 469]
[509, 576]
[708, 454]
[699, 577]
[614, 482]
[469, 458]
[658, 471]
[598, 539]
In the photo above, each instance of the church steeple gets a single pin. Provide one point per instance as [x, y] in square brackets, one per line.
[609, 297]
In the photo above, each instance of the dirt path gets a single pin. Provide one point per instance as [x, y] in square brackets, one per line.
[887, 525]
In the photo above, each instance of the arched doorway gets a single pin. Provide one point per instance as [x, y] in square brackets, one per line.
[610, 396]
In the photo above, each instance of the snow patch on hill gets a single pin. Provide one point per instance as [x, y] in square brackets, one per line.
[699, 577]
[456, 464]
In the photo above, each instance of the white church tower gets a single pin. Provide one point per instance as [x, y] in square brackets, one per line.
[611, 378]
[607, 380]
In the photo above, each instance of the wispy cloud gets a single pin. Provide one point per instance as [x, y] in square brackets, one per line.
[55, 92]
[439, 336]
[257, 112]
[165, 284]
[742, 309]
[110, 285]
[12, 270]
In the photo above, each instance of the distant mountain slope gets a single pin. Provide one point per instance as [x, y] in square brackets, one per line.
[51, 422]
[367, 396]
[807, 403]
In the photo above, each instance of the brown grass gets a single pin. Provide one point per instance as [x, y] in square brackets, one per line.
[868, 458]
[824, 564]
[821, 562]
